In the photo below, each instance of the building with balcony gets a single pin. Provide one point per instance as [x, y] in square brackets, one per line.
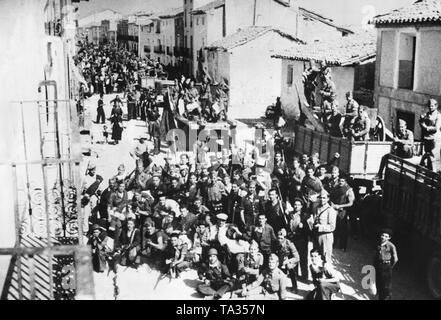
[40, 134]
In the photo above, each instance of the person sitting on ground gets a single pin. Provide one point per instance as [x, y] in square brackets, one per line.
[249, 266]
[129, 246]
[175, 257]
[100, 249]
[288, 257]
[154, 244]
[216, 277]
[270, 285]
[201, 242]
[325, 280]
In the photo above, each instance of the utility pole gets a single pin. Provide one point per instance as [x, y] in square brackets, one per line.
[254, 12]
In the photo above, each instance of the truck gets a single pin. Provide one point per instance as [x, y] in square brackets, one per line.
[411, 206]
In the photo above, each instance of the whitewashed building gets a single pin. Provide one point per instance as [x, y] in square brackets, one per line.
[407, 70]
[243, 62]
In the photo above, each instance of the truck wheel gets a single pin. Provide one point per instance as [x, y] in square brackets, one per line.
[434, 275]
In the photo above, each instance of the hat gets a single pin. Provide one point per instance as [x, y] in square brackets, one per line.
[212, 251]
[96, 227]
[168, 158]
[222, 217]
[91, 166]
[183, 167]
[402, 122]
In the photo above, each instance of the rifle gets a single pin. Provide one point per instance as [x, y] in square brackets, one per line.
[281, 205]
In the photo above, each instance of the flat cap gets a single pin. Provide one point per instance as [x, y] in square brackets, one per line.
[222, 216]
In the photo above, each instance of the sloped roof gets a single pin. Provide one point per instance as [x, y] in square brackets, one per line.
[246, 35]
[423, 11]
[209, 6]
[316, 16]
[350, 50]
[171, 13]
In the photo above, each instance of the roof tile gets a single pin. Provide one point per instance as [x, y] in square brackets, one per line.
[418, 12]
[345, 51]
[246, 35]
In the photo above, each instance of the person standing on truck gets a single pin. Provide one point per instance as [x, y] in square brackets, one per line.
[360, 126]
[384, 261]
[402, 146]
[350, 113]
[430, 130]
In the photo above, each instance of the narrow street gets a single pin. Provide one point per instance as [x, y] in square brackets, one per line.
[146, 285]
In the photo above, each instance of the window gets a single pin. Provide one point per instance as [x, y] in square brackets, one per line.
[406, 64]
[290, 77]
[197, 21]
[203, 20]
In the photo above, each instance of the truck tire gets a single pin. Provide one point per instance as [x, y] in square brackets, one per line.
[434, 275]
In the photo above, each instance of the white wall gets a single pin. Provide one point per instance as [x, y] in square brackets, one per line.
[289, 96]
[429, 62]
[389, 42]
[255, 77]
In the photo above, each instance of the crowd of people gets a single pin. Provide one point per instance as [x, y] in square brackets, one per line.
[321, 95]
[244, 229]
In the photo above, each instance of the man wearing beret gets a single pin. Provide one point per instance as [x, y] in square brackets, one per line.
[385, 259]
[216, 277]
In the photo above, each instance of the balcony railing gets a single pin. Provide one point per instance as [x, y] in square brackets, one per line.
[147, 49]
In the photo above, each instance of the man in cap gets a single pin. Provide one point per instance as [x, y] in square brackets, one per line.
[271, 284]
[232, 204]
[216, 277]
[350, 113]
[215, 193]
[430, 130]
[385, 259]
[402, 146]
[360, 126]
[288, 257]
[323, 226]
[100, 250]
